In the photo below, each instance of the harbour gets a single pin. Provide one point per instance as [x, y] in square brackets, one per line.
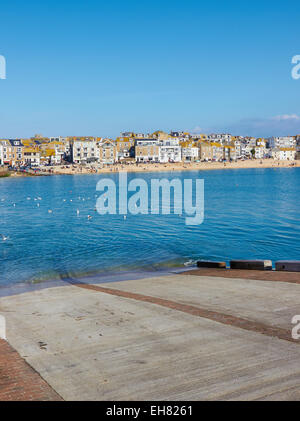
[43, 246]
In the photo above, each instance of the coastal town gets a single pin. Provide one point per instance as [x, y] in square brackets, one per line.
[55, 154]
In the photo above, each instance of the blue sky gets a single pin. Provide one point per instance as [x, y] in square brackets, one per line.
[97, 68]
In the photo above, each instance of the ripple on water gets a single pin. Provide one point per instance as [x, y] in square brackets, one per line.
[248, 214]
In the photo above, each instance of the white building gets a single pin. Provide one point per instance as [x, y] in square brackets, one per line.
[260, 152]
[222, 138]
[214, 137]
[142, 136]
[65, 142]
[282, 142]
[85, 151]
[248, 148]
[1, 154]
[169, 150]
[59, 153]
[32, 157]
[190, 153]
[239, 148]
[281, 154]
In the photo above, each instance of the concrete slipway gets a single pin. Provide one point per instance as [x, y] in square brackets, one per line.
[177, 337]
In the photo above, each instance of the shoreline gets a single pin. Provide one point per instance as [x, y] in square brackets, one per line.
[73, 169]
[96, 278]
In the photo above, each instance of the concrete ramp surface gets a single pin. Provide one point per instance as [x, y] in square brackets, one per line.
[179, 337]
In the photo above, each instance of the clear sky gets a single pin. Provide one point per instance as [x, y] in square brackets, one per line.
[98, 68]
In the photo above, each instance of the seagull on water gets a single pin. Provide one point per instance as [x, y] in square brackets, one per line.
[4, 238]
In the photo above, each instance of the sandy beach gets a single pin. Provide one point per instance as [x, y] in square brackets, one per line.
[74, 169]
[157, 167]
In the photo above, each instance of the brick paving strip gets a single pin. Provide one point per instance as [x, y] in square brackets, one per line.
[256, 275]
[19, 381]
[226, 319]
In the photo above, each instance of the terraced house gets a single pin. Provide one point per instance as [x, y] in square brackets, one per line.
[282, 142]
[159, 147]
[62, 141]
[169, 150]
[107, 151]
[12, 152]
[284, 154]
[229, 152]
[189, 151]
[259, 152]
[84, 151]
[217, 151]
[239, 148]
[31, 156]
[219, 138]
[124, 145]
[60, 151]
[147, 150]
[297, 147]
[1, 153]
[205, 151]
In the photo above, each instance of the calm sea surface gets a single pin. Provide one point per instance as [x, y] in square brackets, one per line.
[249, 214]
